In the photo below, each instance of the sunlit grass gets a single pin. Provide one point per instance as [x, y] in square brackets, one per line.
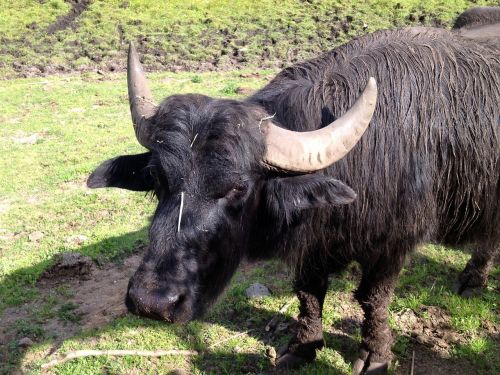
[83, 120]
[219, 34]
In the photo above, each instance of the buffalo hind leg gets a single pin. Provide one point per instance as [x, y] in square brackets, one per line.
[374, 295]
[475, 273]
[310, 289]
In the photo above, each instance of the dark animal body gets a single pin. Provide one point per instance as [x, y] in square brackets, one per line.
[481, 24]
[479, 16]
[427, 169]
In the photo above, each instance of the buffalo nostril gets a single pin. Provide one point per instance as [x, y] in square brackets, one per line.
[174, 299]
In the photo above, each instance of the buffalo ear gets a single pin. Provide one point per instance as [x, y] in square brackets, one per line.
[129, 172]
[287, 196]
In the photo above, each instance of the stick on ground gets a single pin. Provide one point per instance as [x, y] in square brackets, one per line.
[92, 353]
[412, 363]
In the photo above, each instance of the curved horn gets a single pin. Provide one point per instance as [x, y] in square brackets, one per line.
[313, 150]
[141, 101]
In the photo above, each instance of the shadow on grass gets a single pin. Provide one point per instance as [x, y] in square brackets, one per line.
[233, 312]
[27, 316]
[25, 309]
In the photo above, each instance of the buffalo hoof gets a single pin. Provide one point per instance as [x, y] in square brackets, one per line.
[470, 283]
[465, 291]
[288, 360]
[363, 365]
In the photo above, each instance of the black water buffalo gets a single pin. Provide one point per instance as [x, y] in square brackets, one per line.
[258, 179]
[481, 24]
[476, 17]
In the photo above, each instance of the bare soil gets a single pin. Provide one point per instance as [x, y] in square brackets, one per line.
[69, 19]
[431, 338]
[428, 362]
[98, 293]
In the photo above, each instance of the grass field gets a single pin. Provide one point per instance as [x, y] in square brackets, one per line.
[55, 129]
[52, 36]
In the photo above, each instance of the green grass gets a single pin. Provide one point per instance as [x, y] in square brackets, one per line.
[483, 351]
[84, 120]
[218, 34]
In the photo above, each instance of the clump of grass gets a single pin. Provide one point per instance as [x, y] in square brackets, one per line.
[25, 328]
[196, 79]
[401, 345]
[230, 88]
[482, 351]
[67, 313]
[64, 291]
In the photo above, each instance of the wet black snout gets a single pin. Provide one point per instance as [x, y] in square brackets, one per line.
[171, 305]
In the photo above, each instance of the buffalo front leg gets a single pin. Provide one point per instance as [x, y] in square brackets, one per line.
[310, 289]
[374, 295]
[475, 273]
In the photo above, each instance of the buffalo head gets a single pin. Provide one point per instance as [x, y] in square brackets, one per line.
[216, 166]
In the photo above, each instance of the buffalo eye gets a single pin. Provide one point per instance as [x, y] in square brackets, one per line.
[237, 192]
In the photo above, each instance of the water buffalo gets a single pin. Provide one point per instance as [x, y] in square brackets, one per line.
[271, 176]
[475, 17]
[481, 24]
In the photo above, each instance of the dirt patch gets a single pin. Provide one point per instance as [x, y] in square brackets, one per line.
[432, 339]
[87, 297]
[68, 20]
[430, 327]
[67, 266]
[101, 298]
[244, 91]
[78, 184]
[28, 139]
[428, 361]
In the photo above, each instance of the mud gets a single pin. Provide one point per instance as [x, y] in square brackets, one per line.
[69, 19]
[429, 362]
[231, 46]
[428, 331]
[430, 327]
[67, 266]
[97, 293]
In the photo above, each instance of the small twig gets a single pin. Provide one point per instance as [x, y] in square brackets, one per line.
[230, 338]
[412, 363]
[433, 285]
[194, 139]
[266, 118]
[180, 212]
[274, 320]
[92, 353]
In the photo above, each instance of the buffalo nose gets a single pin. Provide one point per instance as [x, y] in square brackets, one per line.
[154, 304]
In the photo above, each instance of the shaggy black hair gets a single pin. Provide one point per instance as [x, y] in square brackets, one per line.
[477, 17]
[427, 168]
